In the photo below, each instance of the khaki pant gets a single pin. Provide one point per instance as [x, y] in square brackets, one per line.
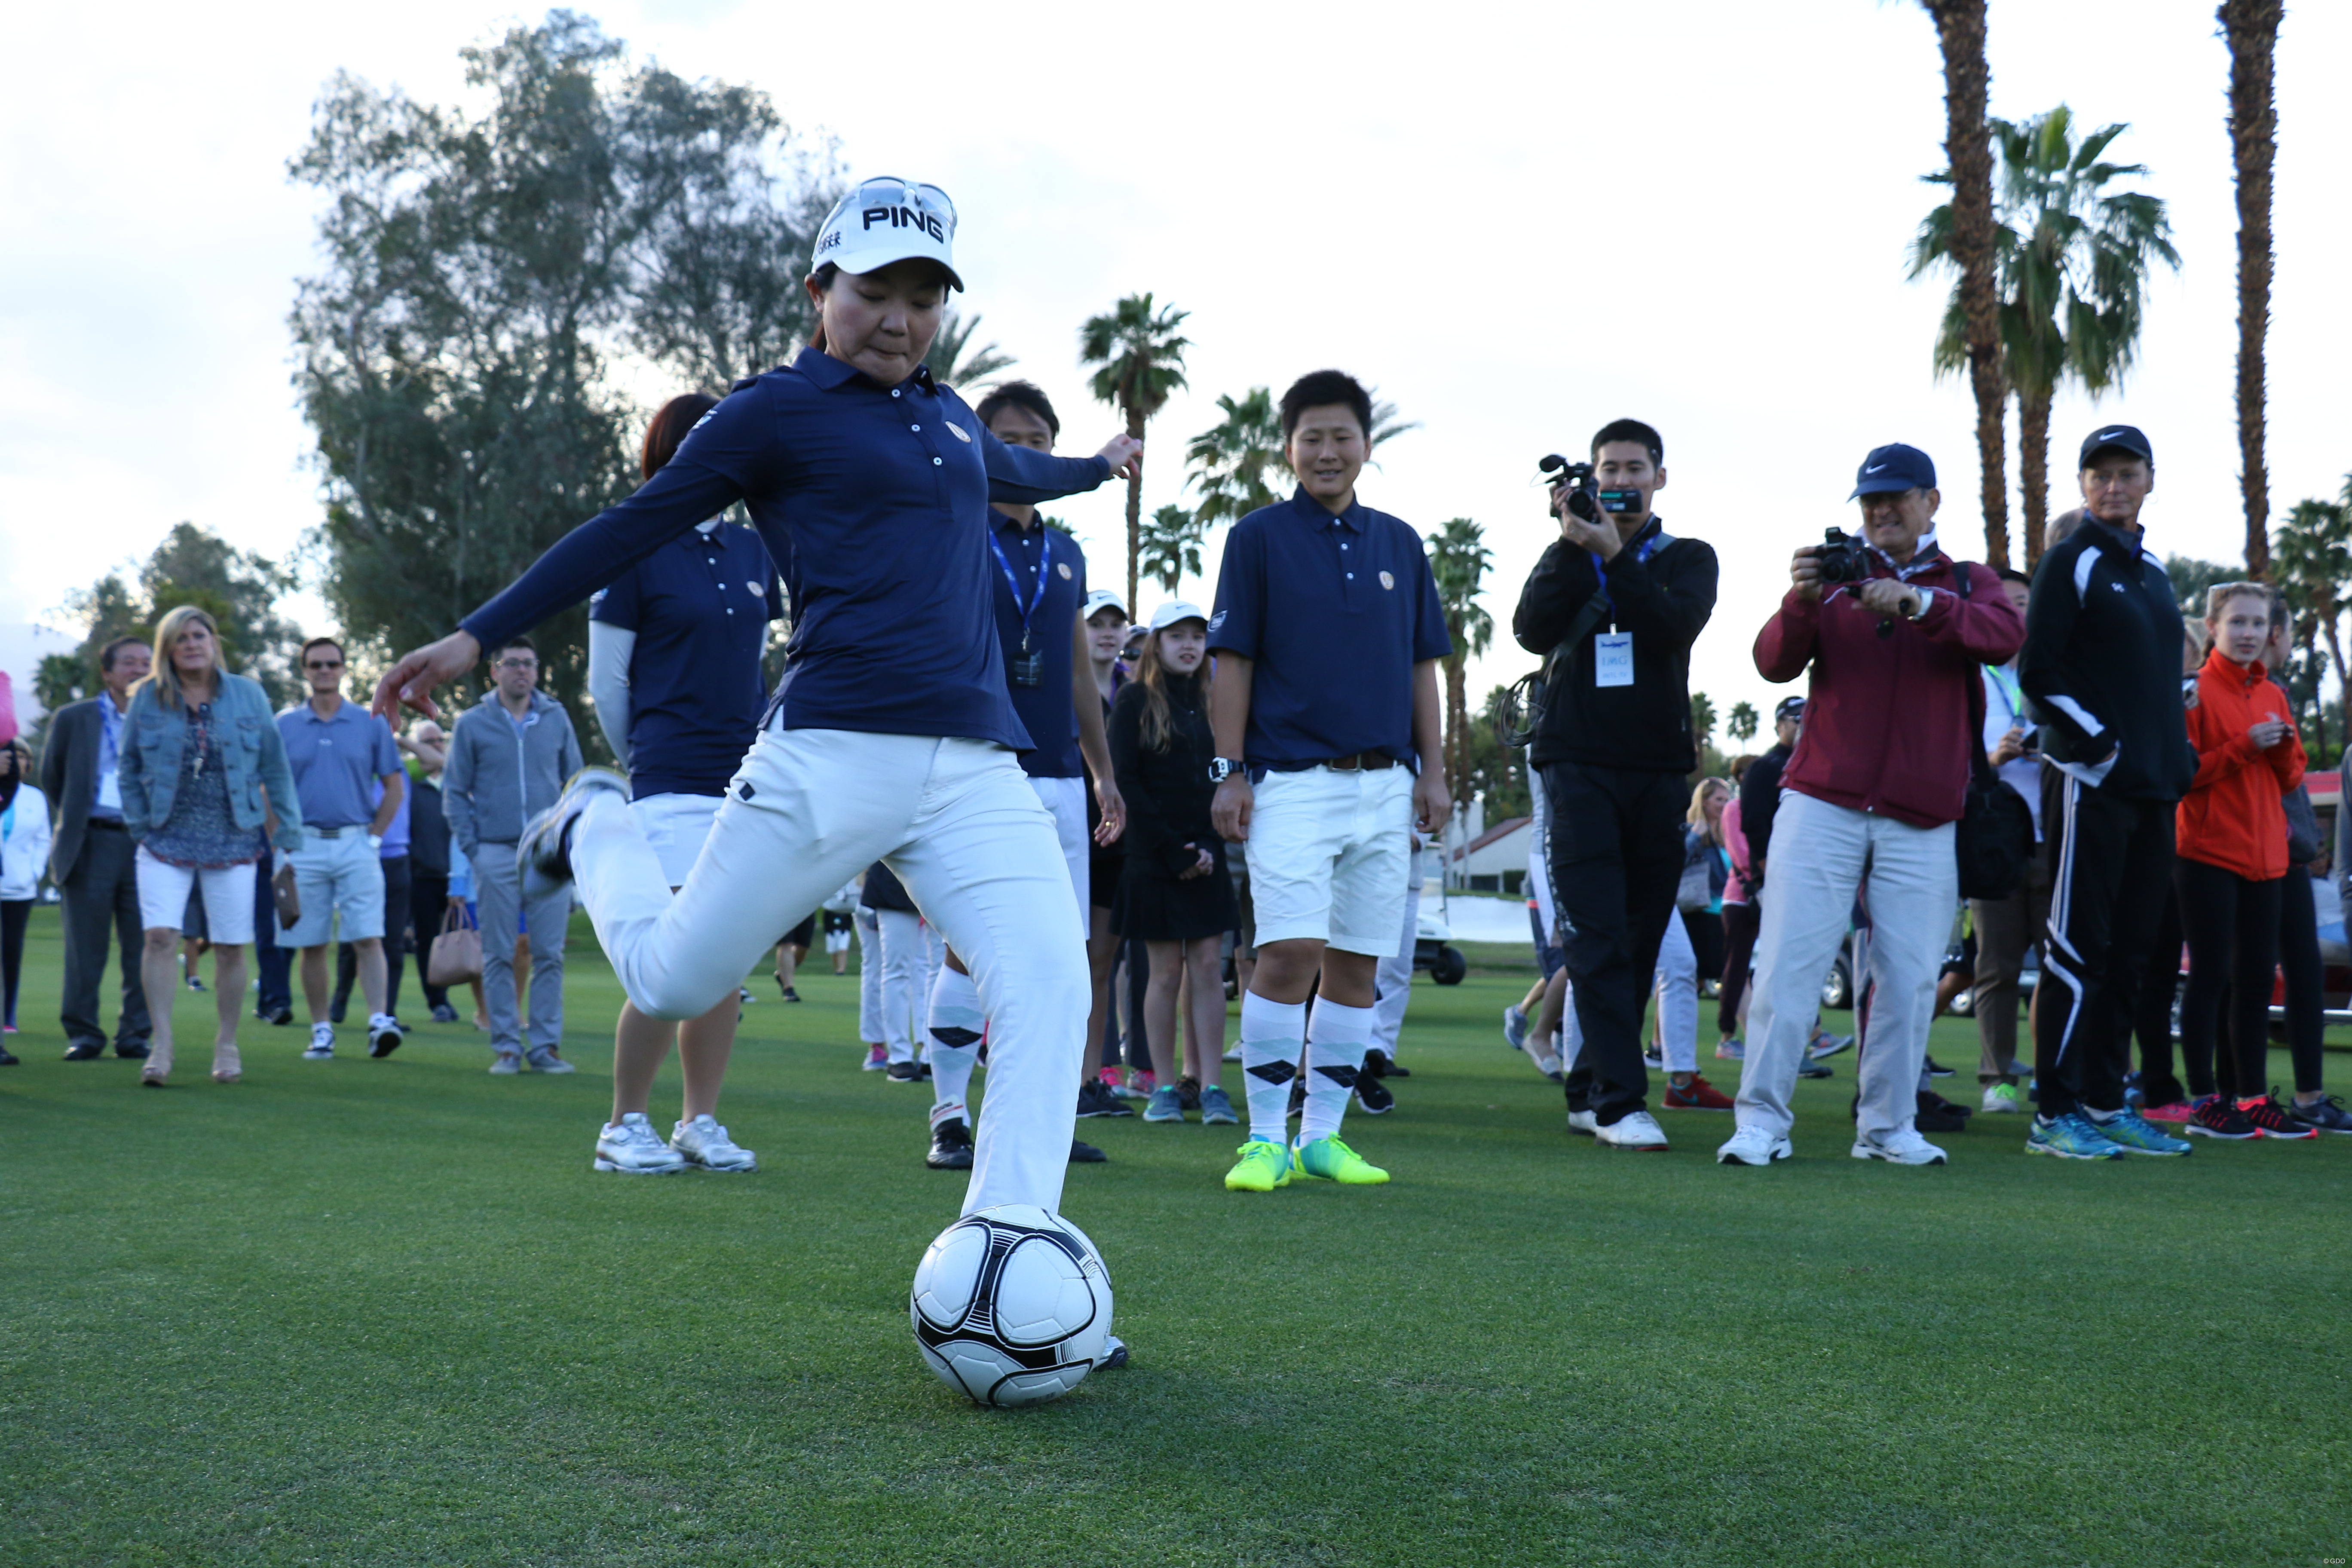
[2006, 929]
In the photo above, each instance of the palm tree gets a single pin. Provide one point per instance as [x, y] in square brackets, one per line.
[2251, 28]
[1458, 559]
[1231, 460]
[1171, 547]
[1967, 149]
[1139, 360]
[1743, 723]
[1386, 423]
[2073, 256]
[2312, 562]
[946, 359]
[1702, 722]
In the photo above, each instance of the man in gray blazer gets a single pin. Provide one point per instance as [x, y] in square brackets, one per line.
[91, 859]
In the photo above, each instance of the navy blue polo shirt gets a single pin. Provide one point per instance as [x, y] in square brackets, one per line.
[337, 762]
[1045, 708]
[1332, 612]
[701, 608]
[875, 499]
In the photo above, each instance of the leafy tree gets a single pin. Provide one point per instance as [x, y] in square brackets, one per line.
[2073, 256]
[956, 363]
[2311, 561]
[1458, 559]
[1138, 360]
[2251, 29]
[1968, 152]
[1387, 425]
[1701, 718]
[1743, 723]
[1171, 547]
[485, 266]
[1493, 773]
[2190, 579]
[1232, 461]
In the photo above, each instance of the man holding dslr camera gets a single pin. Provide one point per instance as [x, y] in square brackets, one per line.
[1615, 606]
[1893, 631]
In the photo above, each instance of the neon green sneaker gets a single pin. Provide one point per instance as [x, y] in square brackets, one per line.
[1264, 1165]
[1328, 1160]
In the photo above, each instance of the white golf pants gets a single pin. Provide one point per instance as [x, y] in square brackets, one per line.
[905, 992]
[807, 811]
[1823, 855]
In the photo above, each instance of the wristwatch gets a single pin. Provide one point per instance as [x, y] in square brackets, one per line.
[375, 841]
[1223, 768]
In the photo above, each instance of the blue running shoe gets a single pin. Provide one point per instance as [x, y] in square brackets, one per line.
[2134, 1134]
[2071, 1137]
[1167, 1104]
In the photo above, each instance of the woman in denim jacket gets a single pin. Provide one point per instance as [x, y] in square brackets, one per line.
[203, 768]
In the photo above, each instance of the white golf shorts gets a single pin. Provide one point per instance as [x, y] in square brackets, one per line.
[1330, 857]
[228, 898]
[341, 875]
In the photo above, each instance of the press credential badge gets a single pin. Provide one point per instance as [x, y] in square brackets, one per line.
[1613, 659]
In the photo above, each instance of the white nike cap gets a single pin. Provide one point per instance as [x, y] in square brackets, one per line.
[1175, 610]
[889, 219]
[1103, 599]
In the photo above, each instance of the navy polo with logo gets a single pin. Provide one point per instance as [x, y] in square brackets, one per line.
[1046, 709]
[1332, 613]
[875, 499]
[701, 608]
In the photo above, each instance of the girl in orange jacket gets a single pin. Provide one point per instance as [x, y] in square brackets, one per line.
[2230, 836]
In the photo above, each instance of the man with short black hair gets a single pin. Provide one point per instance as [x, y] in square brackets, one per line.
[1326, 635]
[509, 756]
[339, 753]
[1615, 606]
[2102, 665]
[91, 860]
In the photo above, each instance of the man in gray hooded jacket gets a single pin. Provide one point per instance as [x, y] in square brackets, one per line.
[509, 757]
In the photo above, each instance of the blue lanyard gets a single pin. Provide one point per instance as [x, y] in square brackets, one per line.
[1044, 562]
[1642, 552]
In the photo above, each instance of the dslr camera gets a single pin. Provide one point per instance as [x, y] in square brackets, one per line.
[1842, 557]
[1583, 499]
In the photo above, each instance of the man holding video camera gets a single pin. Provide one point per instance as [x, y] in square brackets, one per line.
[1893, 631]
[1615, 606]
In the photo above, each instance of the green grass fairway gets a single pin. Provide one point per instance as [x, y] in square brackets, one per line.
[383, 1314]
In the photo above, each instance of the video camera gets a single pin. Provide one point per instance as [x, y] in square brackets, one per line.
[1842, 557]
[1583, 499]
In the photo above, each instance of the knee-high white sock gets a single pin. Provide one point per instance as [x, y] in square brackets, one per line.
[1271, 1035]
[1336, 1039]
[955, 1024]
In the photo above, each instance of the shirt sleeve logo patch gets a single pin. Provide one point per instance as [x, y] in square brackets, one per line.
[754, 589]
[959, 431]
[1064, 568]
[1217, 621]
[1387, 580]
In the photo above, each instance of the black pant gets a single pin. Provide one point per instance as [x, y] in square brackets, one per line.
[428, 903]
[1138, 960]
[1616, 858]
[2232, 924]
[15, 913]
[396, 896]
[2299, 957]
[1740, 922]
[2152, 1014]
[101, 891]
[273, 966]
[2113, 861]
[1704, 929]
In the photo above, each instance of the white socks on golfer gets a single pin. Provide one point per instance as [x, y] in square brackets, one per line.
[1271, 1032]
[1335, 1040]
[956, 1024]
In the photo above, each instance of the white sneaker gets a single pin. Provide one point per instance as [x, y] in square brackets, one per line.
[631, 1147]
[1581, 1122]
[544, 1059]
[1752, 1146]
[322, 1044]
[506, 1064]
[1232, 1054]
[2004, 1097]
[1639, 1131]
[1903, 1146]
[702, 1142]
[1514, 1026]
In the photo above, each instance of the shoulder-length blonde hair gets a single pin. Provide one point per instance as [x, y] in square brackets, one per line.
[1696, 816]
[166, 674]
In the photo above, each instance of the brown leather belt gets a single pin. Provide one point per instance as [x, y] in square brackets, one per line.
[1365, 761]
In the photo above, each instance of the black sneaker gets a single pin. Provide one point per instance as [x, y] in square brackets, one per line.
[1095, 1099]
[1936, 1068]
[279, 1017]
[137, 1053]
[1114, 1353]
[2216, 1117]
[2327, 1113]
[445, 1013]
[905, 1072]
[790, 995]
[1809, 1067]
[1188, 1094]
[7, 1058]
[1373, 1095]
[84, 1053]
[1937, 1114]
[1380, 1064]
[951, 1145]
[1085, 1153]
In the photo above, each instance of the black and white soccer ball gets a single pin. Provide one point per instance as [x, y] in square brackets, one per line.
[1012, 1306]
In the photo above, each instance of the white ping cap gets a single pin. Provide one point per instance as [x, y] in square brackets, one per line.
[889, 219]
[1175, 610]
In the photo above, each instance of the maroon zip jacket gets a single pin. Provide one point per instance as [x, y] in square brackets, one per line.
[1888, 727]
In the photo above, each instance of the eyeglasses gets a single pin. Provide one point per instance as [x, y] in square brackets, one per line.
[888, 190]
[517, 664]
[322, 664]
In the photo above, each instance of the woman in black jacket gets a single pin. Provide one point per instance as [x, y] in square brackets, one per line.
[1175, 895]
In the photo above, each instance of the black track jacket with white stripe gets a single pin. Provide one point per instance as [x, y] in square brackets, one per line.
[2102, 664]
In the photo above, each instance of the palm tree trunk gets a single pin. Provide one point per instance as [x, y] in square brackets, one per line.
[1968, 145]
[2251, 28]
[2033, 467]
[1134, 511]
[1457, 719]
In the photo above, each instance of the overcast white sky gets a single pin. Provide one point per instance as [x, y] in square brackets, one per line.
[1518, 221]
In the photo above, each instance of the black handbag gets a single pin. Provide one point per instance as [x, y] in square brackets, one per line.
[1994, 838]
